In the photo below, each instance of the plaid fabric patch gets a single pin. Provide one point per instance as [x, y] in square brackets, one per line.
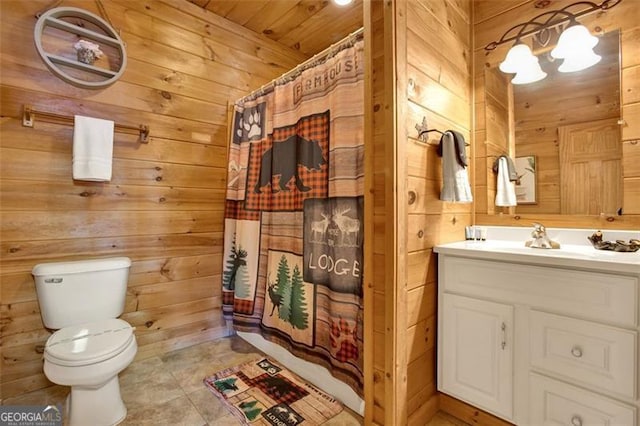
[236, 210]
[291, 165]
[344, 336]
[231, 305]
[279, 388]
[243, 306]
[227, 297]
[347, 351]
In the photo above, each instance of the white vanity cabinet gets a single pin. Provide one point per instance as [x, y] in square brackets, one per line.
[477, 338]
[539, 339]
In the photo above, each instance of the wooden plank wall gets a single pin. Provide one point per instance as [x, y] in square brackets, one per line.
[429, 75]
[377, 215]
[439, 87]
[395, 359]
[491, 20]
[164, 205]
[421, 67]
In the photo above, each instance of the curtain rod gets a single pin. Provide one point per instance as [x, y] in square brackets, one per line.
[316, 59]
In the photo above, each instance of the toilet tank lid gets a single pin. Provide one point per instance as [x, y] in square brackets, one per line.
[80, 266]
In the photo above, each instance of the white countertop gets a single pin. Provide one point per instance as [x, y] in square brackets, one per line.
[511, 248]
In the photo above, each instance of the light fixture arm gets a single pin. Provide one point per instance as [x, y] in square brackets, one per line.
[550, 22]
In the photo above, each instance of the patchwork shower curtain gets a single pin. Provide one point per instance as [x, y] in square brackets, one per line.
[292, 268]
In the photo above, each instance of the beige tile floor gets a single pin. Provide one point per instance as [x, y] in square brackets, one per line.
[168, 389]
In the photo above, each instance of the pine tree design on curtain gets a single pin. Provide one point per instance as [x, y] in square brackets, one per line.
[288, 296]
[235, 272]
[283, 285]
[298, 316]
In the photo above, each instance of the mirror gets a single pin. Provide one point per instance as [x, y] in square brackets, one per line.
[563, 134]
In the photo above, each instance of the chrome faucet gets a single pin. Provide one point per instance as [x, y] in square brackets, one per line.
[541, 239]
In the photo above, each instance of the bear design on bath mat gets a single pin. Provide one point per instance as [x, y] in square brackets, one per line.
[281, 389]
[284, 159]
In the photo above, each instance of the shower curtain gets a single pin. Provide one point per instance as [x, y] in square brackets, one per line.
[292, 266]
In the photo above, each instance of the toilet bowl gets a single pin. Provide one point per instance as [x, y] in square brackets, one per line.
[88, 357]
[83, 300]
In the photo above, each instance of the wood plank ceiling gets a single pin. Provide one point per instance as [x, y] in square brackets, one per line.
[308, 26]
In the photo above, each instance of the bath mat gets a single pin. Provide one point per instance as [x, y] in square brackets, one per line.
[261, 392]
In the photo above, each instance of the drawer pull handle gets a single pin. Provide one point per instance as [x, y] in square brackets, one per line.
[577, 352]
[504, 335]
[576, 420]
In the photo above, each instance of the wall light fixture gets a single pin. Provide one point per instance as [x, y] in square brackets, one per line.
[523, 63]
[575, 44]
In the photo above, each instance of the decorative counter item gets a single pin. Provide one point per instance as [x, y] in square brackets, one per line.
[541, 239]
[618, 245]
[87, 51]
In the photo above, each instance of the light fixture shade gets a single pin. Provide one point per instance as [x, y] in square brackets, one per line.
[573, 39]
[529, 74]
[342, 2]
[579, 61]
[518, 57]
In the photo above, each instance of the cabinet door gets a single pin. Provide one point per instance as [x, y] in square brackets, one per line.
[477, 353]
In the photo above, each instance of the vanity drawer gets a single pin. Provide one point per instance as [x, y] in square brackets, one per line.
[590, 295]
[593, 354]
[556, 403]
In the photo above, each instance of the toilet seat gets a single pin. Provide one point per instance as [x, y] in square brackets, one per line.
[88, 343]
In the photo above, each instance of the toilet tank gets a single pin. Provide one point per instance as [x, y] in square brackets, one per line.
[81, 291]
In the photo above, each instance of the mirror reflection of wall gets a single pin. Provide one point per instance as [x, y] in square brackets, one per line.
[568, 123]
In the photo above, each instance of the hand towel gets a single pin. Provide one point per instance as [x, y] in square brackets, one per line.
[506, 190]
[513, 174]
[461, 151]
[92, 149]
[455, 180]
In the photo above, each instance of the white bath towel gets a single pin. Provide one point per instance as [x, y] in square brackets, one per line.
[506, 190]
[455, 179]
[92, 149]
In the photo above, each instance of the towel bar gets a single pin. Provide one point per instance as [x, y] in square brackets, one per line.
[29, 114]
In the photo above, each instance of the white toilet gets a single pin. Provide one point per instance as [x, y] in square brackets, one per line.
[92, 346]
